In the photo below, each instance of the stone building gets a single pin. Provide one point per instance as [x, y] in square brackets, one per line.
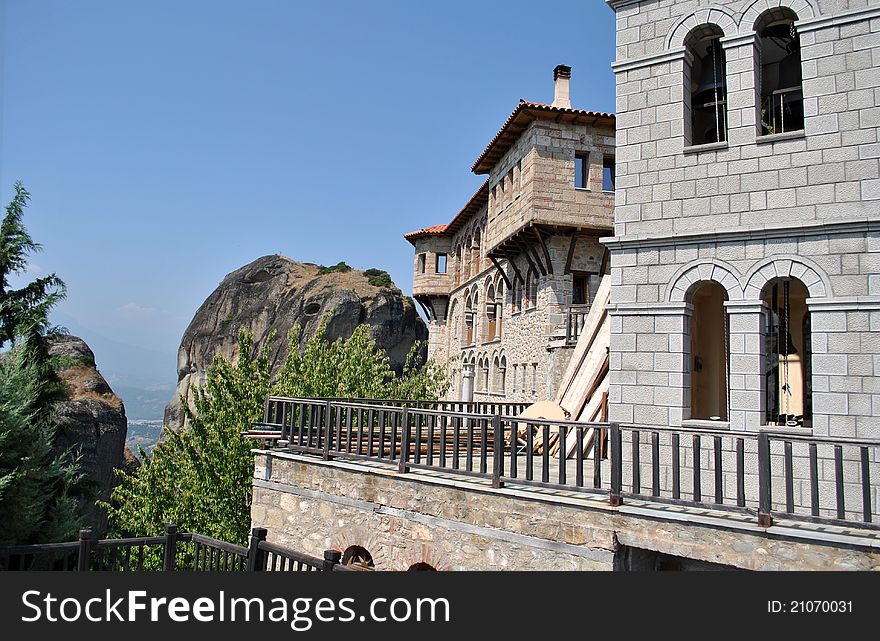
[745, 307]
[746, 249]
[505, 283]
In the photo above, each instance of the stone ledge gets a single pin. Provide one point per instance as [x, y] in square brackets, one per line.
[735, 234]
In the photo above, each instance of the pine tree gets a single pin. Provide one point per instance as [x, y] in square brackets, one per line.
[37, 484]
[25, 309]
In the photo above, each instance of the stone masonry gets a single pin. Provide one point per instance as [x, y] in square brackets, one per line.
[540, 229]
[799, 206]
[462, 525]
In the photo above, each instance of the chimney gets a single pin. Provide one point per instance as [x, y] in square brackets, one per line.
[561, 77]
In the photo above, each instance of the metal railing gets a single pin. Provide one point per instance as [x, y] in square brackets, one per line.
[760, 473]
[172, 551]
[782, 111]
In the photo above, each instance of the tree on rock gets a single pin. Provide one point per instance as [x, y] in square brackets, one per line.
[199, 476]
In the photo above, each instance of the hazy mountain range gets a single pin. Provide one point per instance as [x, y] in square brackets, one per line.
[144, 379]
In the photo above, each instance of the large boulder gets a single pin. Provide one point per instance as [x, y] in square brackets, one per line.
[91, 422]
[275, 293]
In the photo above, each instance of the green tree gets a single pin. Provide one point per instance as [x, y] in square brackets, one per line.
[38, 485]
[24, 310]
[199, 477]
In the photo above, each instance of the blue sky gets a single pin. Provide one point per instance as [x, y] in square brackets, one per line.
[168, 143]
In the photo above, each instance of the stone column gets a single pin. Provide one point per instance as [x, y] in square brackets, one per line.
[467, 382]
[740, 53]
[746, 321]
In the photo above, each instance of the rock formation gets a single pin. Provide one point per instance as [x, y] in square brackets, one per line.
[275, 293]
[91, 421]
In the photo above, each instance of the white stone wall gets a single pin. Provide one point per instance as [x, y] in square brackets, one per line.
[804, 205]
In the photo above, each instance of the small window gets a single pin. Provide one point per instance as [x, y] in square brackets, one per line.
[608, 173]
[421, 263]
[441, 263]
[583, 286]
[581, 171]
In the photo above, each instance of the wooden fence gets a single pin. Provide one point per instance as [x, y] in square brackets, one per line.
[173, 551]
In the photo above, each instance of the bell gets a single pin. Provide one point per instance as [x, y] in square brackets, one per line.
[712, 77]
[790, 349]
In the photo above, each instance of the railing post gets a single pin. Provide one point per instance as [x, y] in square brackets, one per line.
[169, 562]
[764, 497]
[256, 556]
[331, 558]
[498, 460]
[85, 550]
[328, 429]
[616, 464]
[402, 467]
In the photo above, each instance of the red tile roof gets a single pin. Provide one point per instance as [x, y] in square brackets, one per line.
[433, 230]
[479, 200]
[522, 116]
[476, 202]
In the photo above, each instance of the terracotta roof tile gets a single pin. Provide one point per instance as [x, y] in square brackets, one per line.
[433, 230]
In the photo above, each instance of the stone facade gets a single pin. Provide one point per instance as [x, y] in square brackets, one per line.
[498, 315]
[460, 525]
[758, 210]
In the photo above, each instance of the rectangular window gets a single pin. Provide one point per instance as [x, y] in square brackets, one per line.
[580, 294]
[582, 171]
[421, 263]
[608, 173]
[441, 263]
[534, 378]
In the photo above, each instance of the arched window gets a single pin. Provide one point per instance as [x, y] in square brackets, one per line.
[499, 307]
[491, 315]
[709, 368]
[788, 347]
[780, 82]
[484, 374]
[516, 294]
[475, 254]
[468, 328]
[502, 375]
[357, 556]
[531, 288]
[421, 566]
[706, 86]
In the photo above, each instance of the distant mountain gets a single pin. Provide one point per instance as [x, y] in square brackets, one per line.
[142, 403]
[139, 376]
